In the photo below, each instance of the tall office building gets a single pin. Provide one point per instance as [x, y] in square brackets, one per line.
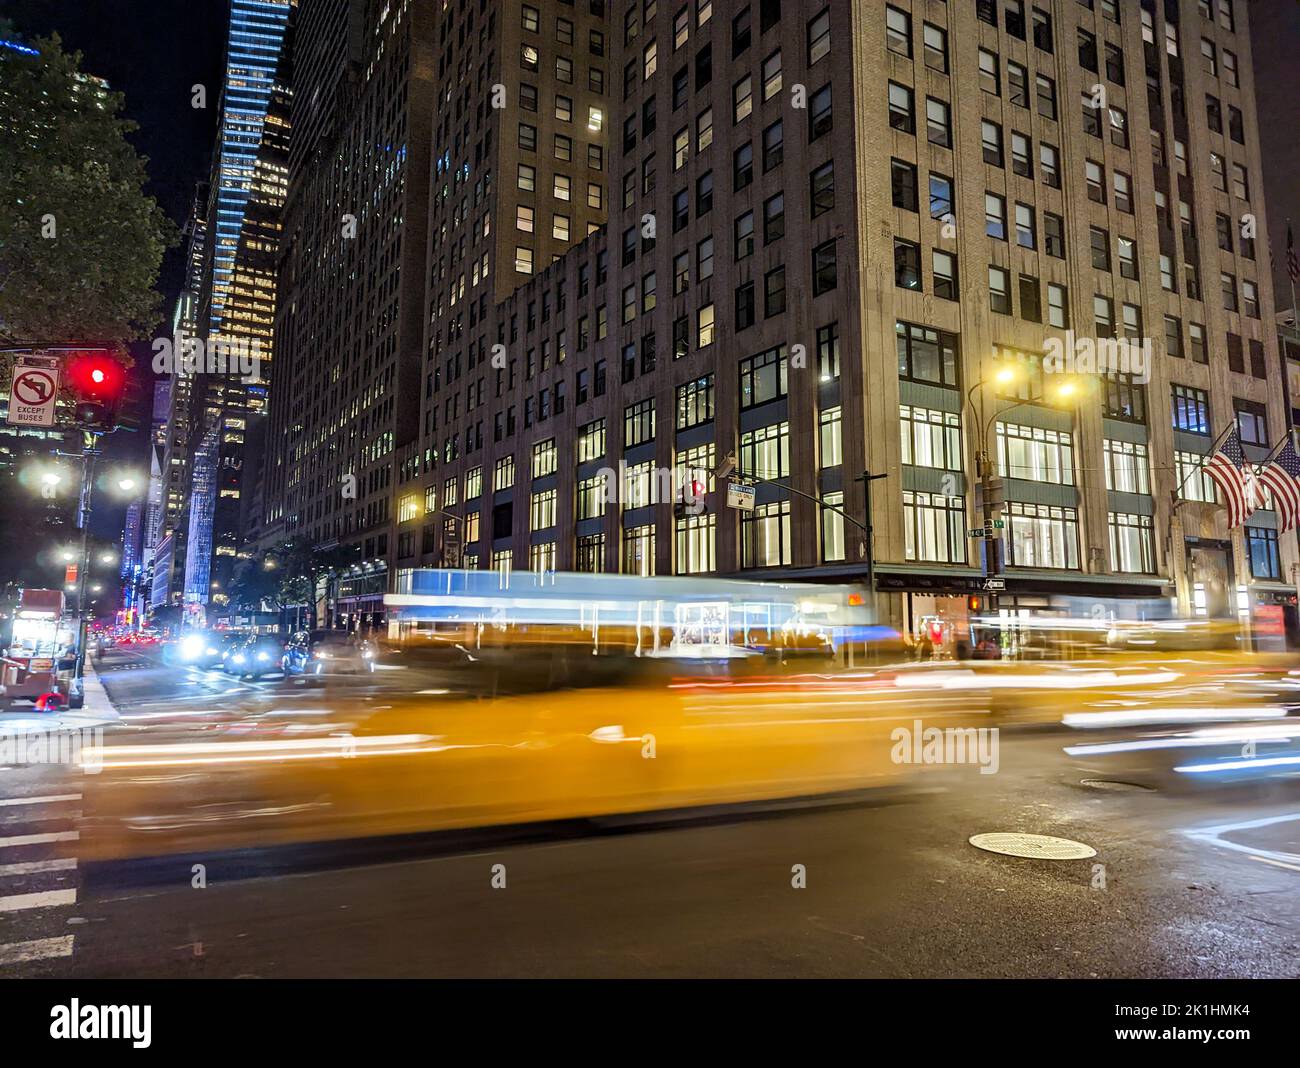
[167, 530]
[859, 238]
[237, 305]
[350, 301]
[253, 47]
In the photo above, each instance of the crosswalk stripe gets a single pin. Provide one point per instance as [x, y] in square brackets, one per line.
[39, 839]
[43, 900]
[50, 799]
[39, 949]
[33, 867]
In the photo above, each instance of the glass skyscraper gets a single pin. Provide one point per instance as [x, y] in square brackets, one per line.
[257, 29]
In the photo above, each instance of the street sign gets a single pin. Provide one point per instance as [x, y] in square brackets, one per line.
[740, 496]
[998, 524]
[33, 391]
[993, 582]
[980, 532]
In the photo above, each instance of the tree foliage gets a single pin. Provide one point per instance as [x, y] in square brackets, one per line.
[80, 241]
[287, 575]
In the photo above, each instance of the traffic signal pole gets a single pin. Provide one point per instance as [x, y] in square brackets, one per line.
[89, 454]
[992, 561]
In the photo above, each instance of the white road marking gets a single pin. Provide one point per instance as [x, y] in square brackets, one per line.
[39, 839]
[40, 949]
[50, 799]
[32, 867]
[1214, 836]
[43, 900]
[1275, 863]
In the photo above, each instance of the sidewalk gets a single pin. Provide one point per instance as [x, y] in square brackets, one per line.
[97, 711]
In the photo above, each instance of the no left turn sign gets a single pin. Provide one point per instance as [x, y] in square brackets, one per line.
[33, 394]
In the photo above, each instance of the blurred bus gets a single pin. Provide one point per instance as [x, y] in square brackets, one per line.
[674, 617]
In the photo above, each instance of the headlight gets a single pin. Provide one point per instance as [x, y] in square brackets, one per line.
[321, 656]
[367, 653]
[191, 647]
[263, 656]
[238, 658]
[210, 651]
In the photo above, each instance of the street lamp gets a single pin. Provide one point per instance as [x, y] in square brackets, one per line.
[126, 484]
[1007, 373]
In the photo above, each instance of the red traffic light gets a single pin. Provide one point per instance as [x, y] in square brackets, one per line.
[96, 376]
[98, 383]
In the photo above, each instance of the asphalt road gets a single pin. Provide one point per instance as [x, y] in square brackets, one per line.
[1184, 884]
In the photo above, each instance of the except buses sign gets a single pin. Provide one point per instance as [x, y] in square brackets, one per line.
[33, 391]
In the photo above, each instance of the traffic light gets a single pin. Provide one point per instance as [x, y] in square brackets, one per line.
[98, 383]
[692, 502]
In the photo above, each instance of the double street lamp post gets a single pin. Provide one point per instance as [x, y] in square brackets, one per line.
[1005, 375]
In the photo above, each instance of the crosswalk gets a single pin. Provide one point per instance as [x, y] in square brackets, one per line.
[39, 876]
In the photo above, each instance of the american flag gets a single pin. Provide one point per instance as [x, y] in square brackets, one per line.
[1292, 264]
[1282, 476]
[1235, 477]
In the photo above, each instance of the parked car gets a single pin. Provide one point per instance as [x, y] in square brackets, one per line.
[321, 652]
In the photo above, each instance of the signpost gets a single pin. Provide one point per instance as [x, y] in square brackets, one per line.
[33, 391]
[740, 496]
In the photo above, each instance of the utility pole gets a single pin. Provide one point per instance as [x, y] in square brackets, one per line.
[992, 558]
[89, 454]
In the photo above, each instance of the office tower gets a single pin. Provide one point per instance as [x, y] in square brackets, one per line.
[237, 298]
[253, 46]
[350, 302]
[862, 220]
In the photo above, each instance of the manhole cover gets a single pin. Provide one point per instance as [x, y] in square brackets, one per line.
[1118, 785]
[1037, 846]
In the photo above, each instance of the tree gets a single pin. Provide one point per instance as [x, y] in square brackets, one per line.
[80, 242]
[257, 582]
[288, 575]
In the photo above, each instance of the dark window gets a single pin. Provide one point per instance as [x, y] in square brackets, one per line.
[907, 265]
[1031, 300]
[824, 268]
[744, 306]
[926, 355]
[822, 189]
[902, 177]
[742, 166]
[819, 113]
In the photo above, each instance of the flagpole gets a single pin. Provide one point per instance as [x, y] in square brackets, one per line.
[1286, 370]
